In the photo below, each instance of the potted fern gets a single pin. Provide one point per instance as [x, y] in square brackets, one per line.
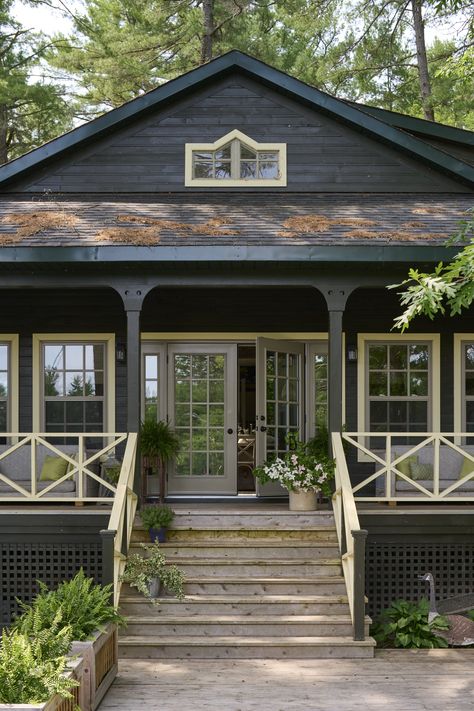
[156, 520]
[86, 610]
[159, 445]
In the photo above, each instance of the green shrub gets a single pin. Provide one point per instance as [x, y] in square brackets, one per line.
[141, 570]
[32, 666]
[405, 624]
[83, 606]
[156, 516]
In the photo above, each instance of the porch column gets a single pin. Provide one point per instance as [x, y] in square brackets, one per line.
[336, 298]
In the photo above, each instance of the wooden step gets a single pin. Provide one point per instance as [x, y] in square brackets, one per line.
[185, 533]
[241, 550]
[238, 647]
[230, 585]
[237, 625]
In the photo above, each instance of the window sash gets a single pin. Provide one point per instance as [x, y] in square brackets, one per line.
[236, 162]
[466, 399]
[6, 372]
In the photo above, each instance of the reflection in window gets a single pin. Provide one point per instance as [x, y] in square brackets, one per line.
[283, 400]
[73, 387]
[236, 161]
[152, 370]
[468, 407]
[321, 392]
[398, 387]
[4, 386]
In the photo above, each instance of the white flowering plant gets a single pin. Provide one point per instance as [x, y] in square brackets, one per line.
[298, 469]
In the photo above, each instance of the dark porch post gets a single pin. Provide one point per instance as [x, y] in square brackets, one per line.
[336, 301]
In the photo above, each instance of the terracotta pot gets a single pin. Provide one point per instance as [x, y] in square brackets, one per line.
[303, 500]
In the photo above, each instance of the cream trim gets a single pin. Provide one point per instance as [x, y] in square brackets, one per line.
[189, 181]
[459, 339]
[12, 339]
[231, 336]
[107, 338]
[435, 375]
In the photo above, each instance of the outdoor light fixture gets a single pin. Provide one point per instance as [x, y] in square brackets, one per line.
[120, 353]
[352, 354]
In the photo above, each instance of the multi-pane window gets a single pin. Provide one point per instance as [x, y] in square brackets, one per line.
[4, 386]
[320, 365]
[283, 401]
[199, 413]
[468, 390]
[152, 389]
[236, 161]
[398, 376]
[73, 387]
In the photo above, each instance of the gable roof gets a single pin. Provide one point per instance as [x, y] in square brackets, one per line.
[356, 118]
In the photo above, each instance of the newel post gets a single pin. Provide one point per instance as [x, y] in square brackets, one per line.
[358, 600]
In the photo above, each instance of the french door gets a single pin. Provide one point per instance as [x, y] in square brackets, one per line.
[280, 401]
[202, 408]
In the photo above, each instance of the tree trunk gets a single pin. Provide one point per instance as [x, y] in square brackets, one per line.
[208, 31]
[422, 60]
[3, 135]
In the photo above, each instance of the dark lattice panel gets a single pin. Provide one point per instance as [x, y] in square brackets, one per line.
[392, 572]
[22, 564]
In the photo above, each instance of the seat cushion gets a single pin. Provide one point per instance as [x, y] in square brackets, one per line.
[63, 487]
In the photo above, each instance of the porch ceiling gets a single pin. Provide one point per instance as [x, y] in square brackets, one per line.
[230, 220]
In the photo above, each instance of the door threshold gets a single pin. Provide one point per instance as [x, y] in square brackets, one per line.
[251, 499]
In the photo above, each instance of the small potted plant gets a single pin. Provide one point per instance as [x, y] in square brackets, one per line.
[156, 520]
[148, 573]
[301, 472]
[159, 445]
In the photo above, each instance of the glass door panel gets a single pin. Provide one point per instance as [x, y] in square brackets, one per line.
[280, 388]
[202, 389]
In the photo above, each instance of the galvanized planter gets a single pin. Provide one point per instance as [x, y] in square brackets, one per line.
[58, 703]
[100, 655]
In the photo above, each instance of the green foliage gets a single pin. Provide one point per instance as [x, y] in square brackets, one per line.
[405, 624]
[158, 440]
[156, 516]
[32, 664]
[470, 614]
[32, 111]
[140, 570]
[450, 286]
[83, 607]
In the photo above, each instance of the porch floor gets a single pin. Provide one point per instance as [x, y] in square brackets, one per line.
[408, 681]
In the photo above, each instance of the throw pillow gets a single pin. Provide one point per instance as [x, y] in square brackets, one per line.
[53, 468]
[421, 471]
[466, 468]
[405, 465]
[71, 466]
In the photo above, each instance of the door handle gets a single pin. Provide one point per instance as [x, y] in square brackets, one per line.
[230, 431]
[263, 429]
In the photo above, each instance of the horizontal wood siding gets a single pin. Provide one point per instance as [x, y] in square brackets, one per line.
[323, 155]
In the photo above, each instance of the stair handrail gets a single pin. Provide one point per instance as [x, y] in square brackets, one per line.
[122, 516]
[351, 538]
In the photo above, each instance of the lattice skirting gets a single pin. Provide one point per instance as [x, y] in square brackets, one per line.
[392, 571]
[22, 564]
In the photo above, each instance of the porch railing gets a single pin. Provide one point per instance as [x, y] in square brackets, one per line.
[84, 485]
[446, 474]
[351, 539]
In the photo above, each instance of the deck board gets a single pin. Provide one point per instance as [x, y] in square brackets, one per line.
[421, 681]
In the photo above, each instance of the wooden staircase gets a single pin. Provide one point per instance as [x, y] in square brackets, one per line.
[258, 585]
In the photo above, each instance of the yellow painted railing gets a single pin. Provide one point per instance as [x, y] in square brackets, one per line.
[448, 475]
[350, 537]
[123, 513]
[25, 484]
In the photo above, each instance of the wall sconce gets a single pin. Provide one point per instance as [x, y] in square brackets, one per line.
[352, 354]
[120, 353]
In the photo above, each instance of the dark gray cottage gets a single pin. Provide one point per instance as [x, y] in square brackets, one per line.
[216, 253]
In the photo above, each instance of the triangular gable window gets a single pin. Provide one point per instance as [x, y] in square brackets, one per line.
[235, 160]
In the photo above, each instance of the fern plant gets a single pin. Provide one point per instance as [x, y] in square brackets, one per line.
[405, 625]
[84, 607]
[32, 666]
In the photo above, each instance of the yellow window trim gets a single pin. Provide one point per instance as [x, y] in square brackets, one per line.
[191, 182]
[231, 336]
[12, 339]
[459, 339]
[107, 338]
[362, 338]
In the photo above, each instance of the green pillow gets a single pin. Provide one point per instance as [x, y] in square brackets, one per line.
[467, 468]
[421, 471]
[71, 466]
[405, 465]
[53, 468]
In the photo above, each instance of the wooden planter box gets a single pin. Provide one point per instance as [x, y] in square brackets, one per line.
[100, 655]
[57, 703]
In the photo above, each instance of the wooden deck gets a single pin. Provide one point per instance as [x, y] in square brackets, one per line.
[437, 680]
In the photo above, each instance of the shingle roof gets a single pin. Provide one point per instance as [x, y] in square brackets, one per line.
[238, 219]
